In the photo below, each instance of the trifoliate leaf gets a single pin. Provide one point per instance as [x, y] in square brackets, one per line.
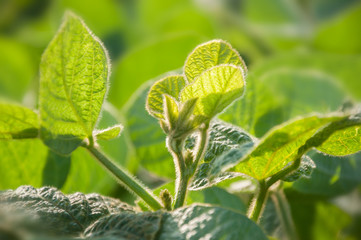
[171, 85]
[109, 133]
[280, 146]
[48, 211]
[74, 72]
[17, 122]
[209, 55]
[215, 89]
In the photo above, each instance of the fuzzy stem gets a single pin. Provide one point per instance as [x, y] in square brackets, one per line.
[294, 166]
[175, 147]
[128, 180]
[203, 141]
[258, 202]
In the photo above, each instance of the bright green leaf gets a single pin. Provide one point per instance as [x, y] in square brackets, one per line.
[171, 110]
[73, 82]
[171, 85]
[209, 55]
[109, 133]
[17, 122]
[280, 146]
[344, 142]
[215, 89]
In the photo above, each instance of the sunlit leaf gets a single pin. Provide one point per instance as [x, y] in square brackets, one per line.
[109, 133]
[304, 171]
[171, 85]
[209, 55]
[280, 146]
[17, 122]
[215, 89]
[73, 82]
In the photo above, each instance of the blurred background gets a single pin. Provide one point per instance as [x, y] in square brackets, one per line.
[303, 56]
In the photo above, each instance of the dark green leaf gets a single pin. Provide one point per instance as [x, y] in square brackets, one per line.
[56, 169]
[201, 222]
[48, 211]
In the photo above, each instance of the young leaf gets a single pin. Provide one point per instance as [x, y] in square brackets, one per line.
[73, 81]
[171, 110]
[280, 146]
[209, 55]
[17, 122]
[171, 85]
[215, 89]
[109, 133]
[200, 222]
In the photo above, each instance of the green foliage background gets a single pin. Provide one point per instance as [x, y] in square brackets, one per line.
[303, 56]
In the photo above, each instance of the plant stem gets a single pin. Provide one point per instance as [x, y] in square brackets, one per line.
[175, 147]
[203, 141]
[294, 166]
[127, 179]
[258, 202]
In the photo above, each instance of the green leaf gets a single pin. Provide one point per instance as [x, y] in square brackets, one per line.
[48, 211]
[209, 55]
[201, 222]
[23, 162]
[332, 176]
[343, 142]
[73, 82]
[109, 133]
[56, 169]
[280, 146]
[171, 110]
[146, 137]
[215, 89]
[227, 144]
[171, 85]
[126, 225]
[17, 122]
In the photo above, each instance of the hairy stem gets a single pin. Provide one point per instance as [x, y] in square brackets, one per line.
[294, 166]
[175, 147]
[127, 179]
[203, 141]
[258, 202]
